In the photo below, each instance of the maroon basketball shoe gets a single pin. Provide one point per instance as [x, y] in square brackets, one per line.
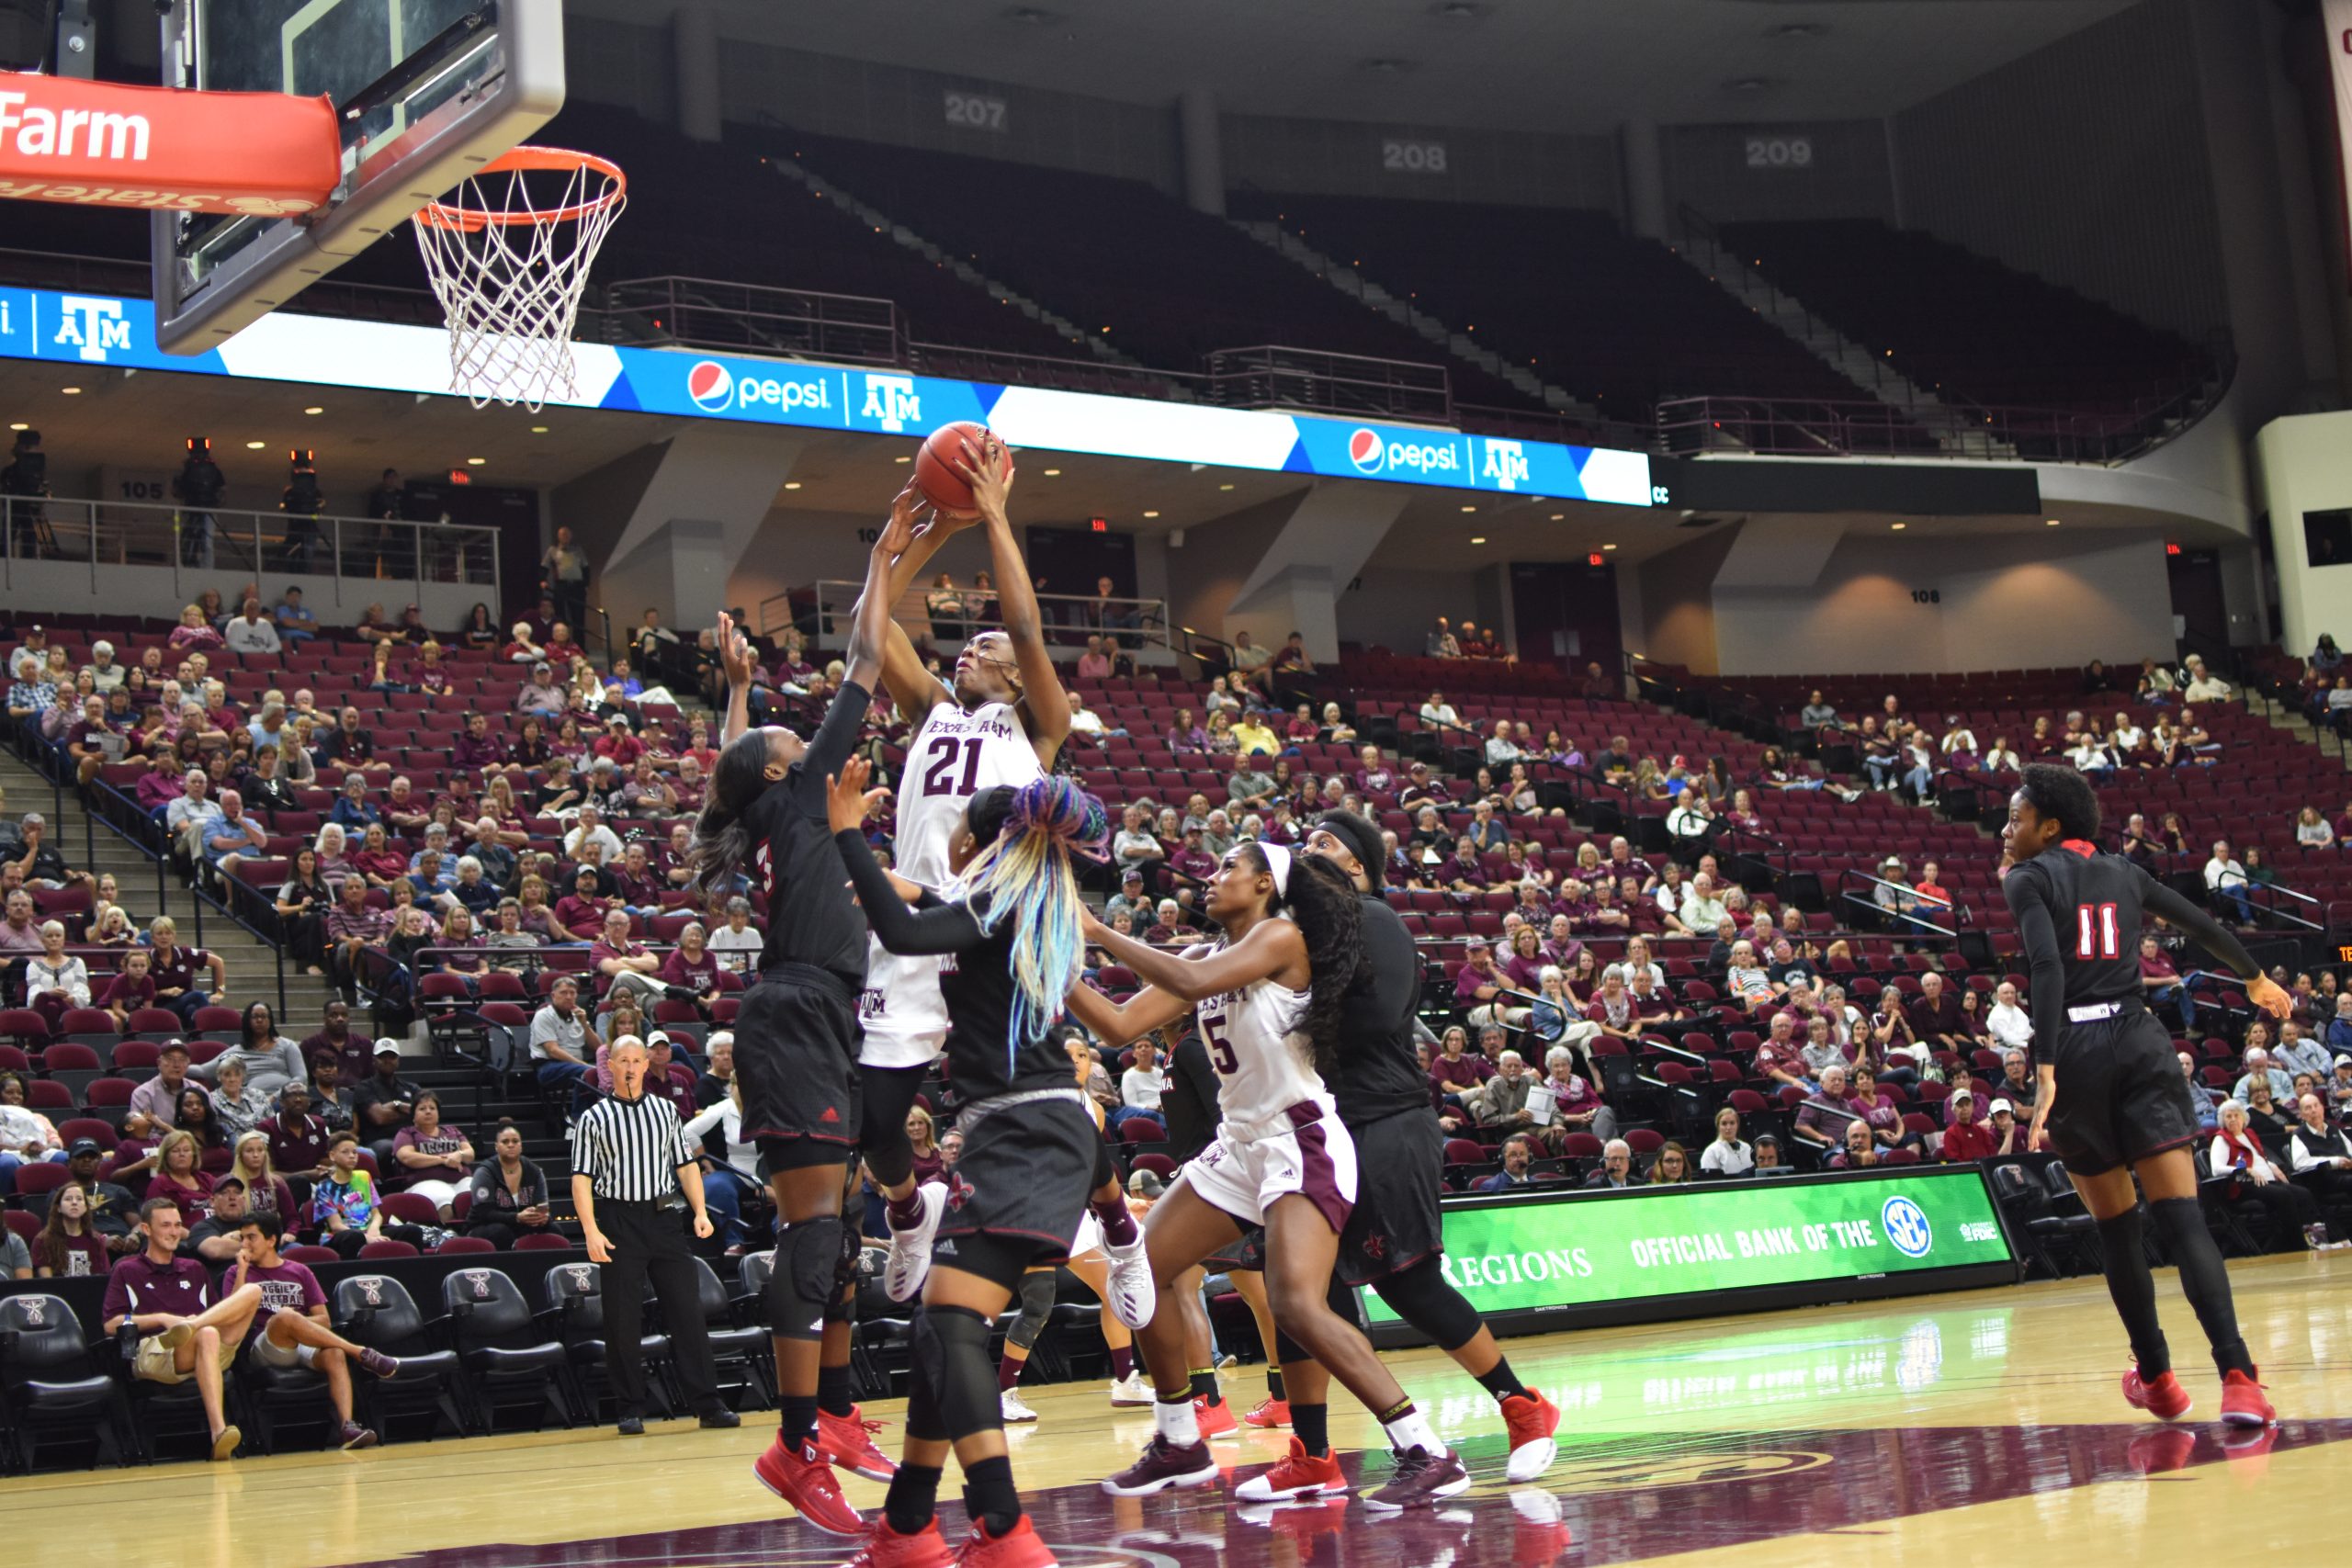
[1162, 1465]
[1420, 1480]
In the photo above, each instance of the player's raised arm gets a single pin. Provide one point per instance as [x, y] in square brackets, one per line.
[870, 623]
[1046, 704]
[914, 690]
[735, 659]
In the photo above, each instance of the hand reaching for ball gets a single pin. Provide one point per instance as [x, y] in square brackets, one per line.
[847, 800]
[734, 651]
[990, 473]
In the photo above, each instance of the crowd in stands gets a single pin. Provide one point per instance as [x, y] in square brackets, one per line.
[1623, 981]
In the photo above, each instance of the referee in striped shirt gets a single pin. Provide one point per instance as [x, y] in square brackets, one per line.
[630, 1163]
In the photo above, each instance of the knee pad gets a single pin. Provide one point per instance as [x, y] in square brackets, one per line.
[951, 1346]
[1422, 1296]
[1037, 1307]
[1287, 1350]
[801, 1290]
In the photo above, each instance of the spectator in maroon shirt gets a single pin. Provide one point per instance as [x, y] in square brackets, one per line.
[289, 1327]
[163, 1302]
[1524, 966]
[633, 880]
[1778, 1057]
[477, 748]
[581, 911]
[625, 965]
[1966, 1138]
[1480, 987]
[130, 990]
[1937, 1016]
[298, 1140]
[1456, 1070]
[1375, 776]
[692, 966]
[179, 1173]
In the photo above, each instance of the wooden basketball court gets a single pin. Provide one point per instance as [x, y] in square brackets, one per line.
[1952, 1430]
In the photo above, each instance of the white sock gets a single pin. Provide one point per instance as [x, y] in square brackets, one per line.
[1412, 1431]
[1175, 1419]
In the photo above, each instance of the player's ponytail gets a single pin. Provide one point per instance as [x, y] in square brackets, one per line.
[1321, 901]
[722, 843]
[1025, 875]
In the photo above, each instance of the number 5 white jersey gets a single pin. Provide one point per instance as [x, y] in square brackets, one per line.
[1263, 1065]
[955, 755]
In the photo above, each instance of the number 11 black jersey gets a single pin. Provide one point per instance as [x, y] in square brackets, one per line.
[2094, 902]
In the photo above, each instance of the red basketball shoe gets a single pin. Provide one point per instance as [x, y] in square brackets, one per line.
[2242, 1403]
[2161, 1396]
[808, 1483]
[1269, 1415]
[1300, 1474]
[886, 1548]
[1016, 1548]
[1214, 1420]
[847, 1442]
[1532, 1420]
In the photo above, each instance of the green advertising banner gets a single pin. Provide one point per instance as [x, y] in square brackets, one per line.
[1566, 1250]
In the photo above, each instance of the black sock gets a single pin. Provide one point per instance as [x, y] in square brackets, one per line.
[1311, 1425]
[2134, 1290]
[833, 1391]
[1275, 1384]
[2203, 1280]
[988, 1496]
[799, 1419]
[1205, 1387]
[913, 1499]
[1502, 1382]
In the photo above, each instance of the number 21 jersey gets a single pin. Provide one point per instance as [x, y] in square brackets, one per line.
[955, 755]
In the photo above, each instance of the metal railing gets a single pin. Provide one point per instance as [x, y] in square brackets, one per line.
[1279, 376]
[190, 541]
[954, 614]
[1865, 427]
[714, 315]
[1896, 919]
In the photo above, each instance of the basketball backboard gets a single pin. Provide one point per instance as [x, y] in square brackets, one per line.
[425, 91]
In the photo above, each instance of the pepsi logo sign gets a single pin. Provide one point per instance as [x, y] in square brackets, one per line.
[1373, 455]
[710, 387]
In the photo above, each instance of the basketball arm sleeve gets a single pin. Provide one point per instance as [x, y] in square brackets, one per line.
[2208, 933]
[835, 738]
[2045, 970]
[936, 928]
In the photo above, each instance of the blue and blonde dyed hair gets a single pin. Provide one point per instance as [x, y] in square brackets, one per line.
[1025, 875]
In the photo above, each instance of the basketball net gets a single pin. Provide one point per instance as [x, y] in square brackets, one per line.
[508, 253]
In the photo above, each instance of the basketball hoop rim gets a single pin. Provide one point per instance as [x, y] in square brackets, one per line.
[526, 159]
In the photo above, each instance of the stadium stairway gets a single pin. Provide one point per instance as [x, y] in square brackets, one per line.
[1100, 346]
[1352, 283]
[253, 963]
[1956, 431]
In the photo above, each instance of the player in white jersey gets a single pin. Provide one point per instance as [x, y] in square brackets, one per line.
[1003, 721]
[1268, 996]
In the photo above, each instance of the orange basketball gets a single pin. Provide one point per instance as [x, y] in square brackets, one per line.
[936, 464]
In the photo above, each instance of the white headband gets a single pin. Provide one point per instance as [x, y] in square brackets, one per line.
[1278, 862]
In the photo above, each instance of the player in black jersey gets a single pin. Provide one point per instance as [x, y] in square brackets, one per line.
[2111, 1100]
[796, 1032]
[1394, 1238]
[1033, 1158]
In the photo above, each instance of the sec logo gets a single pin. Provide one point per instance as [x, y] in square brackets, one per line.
[1906, 1224]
